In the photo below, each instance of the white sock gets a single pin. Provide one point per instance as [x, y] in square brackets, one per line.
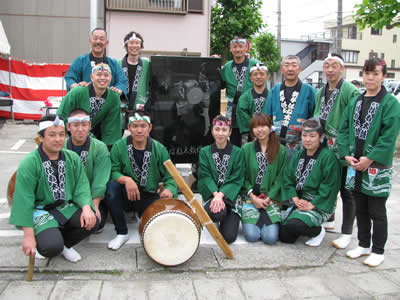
[342, 242]
[317, 240]
[118, 241]
[70, 254]
[39, 256]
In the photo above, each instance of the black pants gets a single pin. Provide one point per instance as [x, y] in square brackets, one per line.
[117, 202]
[348, 206]
[371, 211]
[294, 228]
[236, 137]
[50, 242]
[228, 222]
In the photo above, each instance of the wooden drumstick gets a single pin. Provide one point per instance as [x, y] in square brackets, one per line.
[202, 214]
[31, 265]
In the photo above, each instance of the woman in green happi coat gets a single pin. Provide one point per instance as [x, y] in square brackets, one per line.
[311, 183]
[265, 161]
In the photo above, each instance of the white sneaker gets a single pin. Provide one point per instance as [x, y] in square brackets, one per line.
[357, 252]
[329, 225]
[317, 240]
[342, 242]
[71, 255]
[39, 256]
[118, 241]
[374, 260]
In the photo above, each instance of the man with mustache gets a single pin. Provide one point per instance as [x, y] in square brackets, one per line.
[81, 68]
[290, 102]
[52, 201]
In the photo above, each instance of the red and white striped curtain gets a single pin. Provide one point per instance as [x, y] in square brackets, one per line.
[32, 84]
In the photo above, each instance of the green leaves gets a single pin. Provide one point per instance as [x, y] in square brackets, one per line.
[378, 14]
[230, 18]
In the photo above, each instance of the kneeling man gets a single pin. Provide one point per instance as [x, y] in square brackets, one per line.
[94, 156]
[52, 201]
[136, 170]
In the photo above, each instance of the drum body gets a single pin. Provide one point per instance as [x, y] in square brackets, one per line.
[170, 232]
[11, 189]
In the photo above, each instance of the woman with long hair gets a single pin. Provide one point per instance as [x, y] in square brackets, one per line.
[265, 161]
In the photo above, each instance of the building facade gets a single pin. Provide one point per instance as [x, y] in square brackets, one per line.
[359, 45]
[57, 31]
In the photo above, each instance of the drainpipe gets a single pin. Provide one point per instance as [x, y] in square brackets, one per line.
[93, 14]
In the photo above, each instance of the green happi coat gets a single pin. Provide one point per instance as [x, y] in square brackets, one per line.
[229, 80]
[208, 176]
[121, 166]
[245, 110]
[109, 114]
[346, 92]
[143, 87]
[270, 186]
[320, 188]
[97, 167]
[32, 192]
[379, 145]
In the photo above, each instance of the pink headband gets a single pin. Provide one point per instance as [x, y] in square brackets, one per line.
[221, 123]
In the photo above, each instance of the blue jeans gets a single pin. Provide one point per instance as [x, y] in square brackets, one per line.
[269, 234]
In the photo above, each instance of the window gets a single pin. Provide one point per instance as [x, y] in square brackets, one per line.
[382, 55]
[376, 31]
[352, 33]
[161, 6]
[393, 64]
[196, 5]
[394, 38]
[350, 56]
[390, 75]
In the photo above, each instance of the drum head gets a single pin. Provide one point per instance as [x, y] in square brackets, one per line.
[171, 238]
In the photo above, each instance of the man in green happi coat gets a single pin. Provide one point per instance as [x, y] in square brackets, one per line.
[137, 72]
[235, 77]
[253, 100]
[367, 141]
[52, 201]
[330, 103]
[136, 170]
[94, 156]
[311, 183]
[102, 104]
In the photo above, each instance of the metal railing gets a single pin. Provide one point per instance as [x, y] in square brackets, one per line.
[160, 6]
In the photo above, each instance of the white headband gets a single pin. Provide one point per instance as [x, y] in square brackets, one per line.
[77, 119]
[138, 117]
[46, 124]
[338, 59]
[133, 38]
[238, 40]
[258, 66]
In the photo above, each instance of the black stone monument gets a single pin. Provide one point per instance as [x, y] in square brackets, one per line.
[185, 97]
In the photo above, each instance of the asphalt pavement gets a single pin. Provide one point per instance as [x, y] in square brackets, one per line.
[257, 271]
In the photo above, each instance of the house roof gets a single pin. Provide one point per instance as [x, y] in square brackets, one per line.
[5, 47]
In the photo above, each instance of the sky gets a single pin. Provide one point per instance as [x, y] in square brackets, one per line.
[301, 18]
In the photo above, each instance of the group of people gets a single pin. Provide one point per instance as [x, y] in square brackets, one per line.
[278, 160]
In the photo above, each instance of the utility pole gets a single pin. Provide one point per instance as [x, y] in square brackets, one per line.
[339, 34]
